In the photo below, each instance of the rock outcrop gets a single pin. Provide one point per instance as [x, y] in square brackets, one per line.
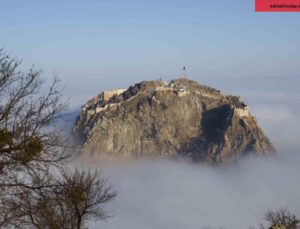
[177, 118]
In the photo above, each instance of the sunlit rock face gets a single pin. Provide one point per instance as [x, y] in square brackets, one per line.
[167, 119]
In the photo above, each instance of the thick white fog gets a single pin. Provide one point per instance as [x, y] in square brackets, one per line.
[176, 195]
[164, 194]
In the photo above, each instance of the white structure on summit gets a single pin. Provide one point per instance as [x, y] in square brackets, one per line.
[107, 95]
[180, 89]
[243, 112]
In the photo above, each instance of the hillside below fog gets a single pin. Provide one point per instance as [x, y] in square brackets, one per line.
[167, 119]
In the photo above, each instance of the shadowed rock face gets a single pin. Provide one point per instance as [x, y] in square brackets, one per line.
[179, 118]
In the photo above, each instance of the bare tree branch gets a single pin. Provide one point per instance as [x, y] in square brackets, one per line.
[35, 191]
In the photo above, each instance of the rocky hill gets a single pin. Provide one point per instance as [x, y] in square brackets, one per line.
[176, 118]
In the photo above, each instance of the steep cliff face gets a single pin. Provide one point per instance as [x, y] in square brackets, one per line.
[177, 118]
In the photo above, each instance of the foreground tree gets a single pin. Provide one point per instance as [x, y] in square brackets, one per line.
[280, 219]
[35, 191]
[72, 200]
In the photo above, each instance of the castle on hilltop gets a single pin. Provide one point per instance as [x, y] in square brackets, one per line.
[103, 101]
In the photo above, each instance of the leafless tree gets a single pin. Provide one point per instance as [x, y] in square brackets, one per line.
[280, 219]
[72, 200]
[35, 192]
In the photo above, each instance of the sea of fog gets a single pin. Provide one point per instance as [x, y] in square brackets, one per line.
[165, 194]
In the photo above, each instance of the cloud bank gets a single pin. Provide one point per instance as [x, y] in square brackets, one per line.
[166, 194]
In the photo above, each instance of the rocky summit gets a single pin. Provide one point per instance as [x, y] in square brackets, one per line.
[167, 119]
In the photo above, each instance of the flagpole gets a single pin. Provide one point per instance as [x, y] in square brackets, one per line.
[184, 69]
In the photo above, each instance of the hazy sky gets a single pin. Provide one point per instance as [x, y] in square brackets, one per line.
[139, 39]
[95, 45]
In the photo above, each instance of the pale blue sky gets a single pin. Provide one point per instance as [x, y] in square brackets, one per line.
[119, 42]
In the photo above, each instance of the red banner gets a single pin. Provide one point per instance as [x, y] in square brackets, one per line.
[277, 5]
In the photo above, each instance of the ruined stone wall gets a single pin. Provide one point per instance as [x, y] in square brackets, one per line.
[99, 109]
[107, 95]
[242, 112]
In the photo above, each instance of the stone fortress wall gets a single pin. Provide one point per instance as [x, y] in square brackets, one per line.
[242, 112]
[107, 95]
[93, 106]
